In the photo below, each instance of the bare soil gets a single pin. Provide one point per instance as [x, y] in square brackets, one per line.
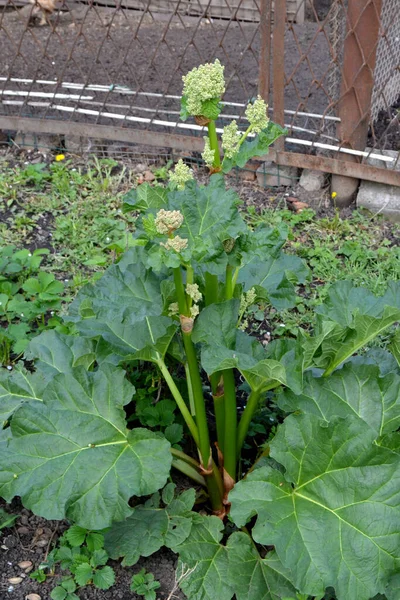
[33, 537]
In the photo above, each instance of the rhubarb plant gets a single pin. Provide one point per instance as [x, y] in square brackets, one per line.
[320, 507]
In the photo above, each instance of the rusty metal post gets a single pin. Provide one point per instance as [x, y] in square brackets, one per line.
[362, 36]
[278, 44]
[264, 79]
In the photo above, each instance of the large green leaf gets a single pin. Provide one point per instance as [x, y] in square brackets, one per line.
[205, 562]
[394, 346]
[71, 456]
[255, 578]
[149, 527]
[348, 320]
[258, 146]
[55, 353]
[344, 301]
[145, 340]
[334, 517]
[16, 388]
[125, 291]
[145, 196]
[392, 591]
[364, 329]
[272, 276]
[226, 347]
[210, 217]
[354, 390]
[217, 572]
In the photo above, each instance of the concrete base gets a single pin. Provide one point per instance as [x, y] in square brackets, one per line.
[379, 197]
[271, 175]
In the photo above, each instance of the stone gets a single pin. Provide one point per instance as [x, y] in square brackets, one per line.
[271, 175]
[148, 176]
[312, 181]
[343, 190]
[380, 197]
[33, 597]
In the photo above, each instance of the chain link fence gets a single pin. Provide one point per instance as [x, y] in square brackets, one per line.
[112, 70]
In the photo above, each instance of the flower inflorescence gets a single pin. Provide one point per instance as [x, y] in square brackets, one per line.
[230, 139]
[256, 114]
[192, 290]
[176, 243]
[203, 83]
[208, 154]
[181, 175]
[168, 221]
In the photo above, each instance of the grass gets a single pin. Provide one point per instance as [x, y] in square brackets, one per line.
[75, 211]
[73, 208]
[362, 248]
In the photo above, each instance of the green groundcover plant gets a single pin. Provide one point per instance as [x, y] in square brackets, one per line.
[320, 508]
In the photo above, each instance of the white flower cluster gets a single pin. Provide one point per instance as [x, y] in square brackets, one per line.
[173, 309]
[180, 175]
[256, 114]
[203, 83]
[208, 154]
[176, 243]
[192, 290]
[247, 299]
[168, 221]
[230, 139]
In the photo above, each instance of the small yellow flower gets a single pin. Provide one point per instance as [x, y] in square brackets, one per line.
[333, 195]
[60, 157]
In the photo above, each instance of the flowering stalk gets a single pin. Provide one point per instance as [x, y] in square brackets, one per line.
[212, 136]
[203, 443]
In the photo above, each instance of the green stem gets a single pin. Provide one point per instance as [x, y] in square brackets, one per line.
[235, 276]
[195, 379]
[189, 471]
[180, 401]
[212, 135]
[229, 288]
[247, 416]
[211, 288]
[219, 411]
[180, 292]
[190, 391]
[230, 423]
[185, 457]
[200, 408]
[217, 388]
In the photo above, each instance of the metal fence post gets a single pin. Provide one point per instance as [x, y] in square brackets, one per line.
[360, 46]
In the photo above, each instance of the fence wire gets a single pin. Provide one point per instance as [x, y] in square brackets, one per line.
[119, 64]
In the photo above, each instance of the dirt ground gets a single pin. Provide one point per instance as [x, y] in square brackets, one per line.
[32, 537]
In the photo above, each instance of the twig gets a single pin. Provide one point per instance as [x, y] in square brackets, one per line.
[50, 540]
[179, 580]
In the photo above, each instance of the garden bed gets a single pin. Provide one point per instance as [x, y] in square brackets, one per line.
[72, 207]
